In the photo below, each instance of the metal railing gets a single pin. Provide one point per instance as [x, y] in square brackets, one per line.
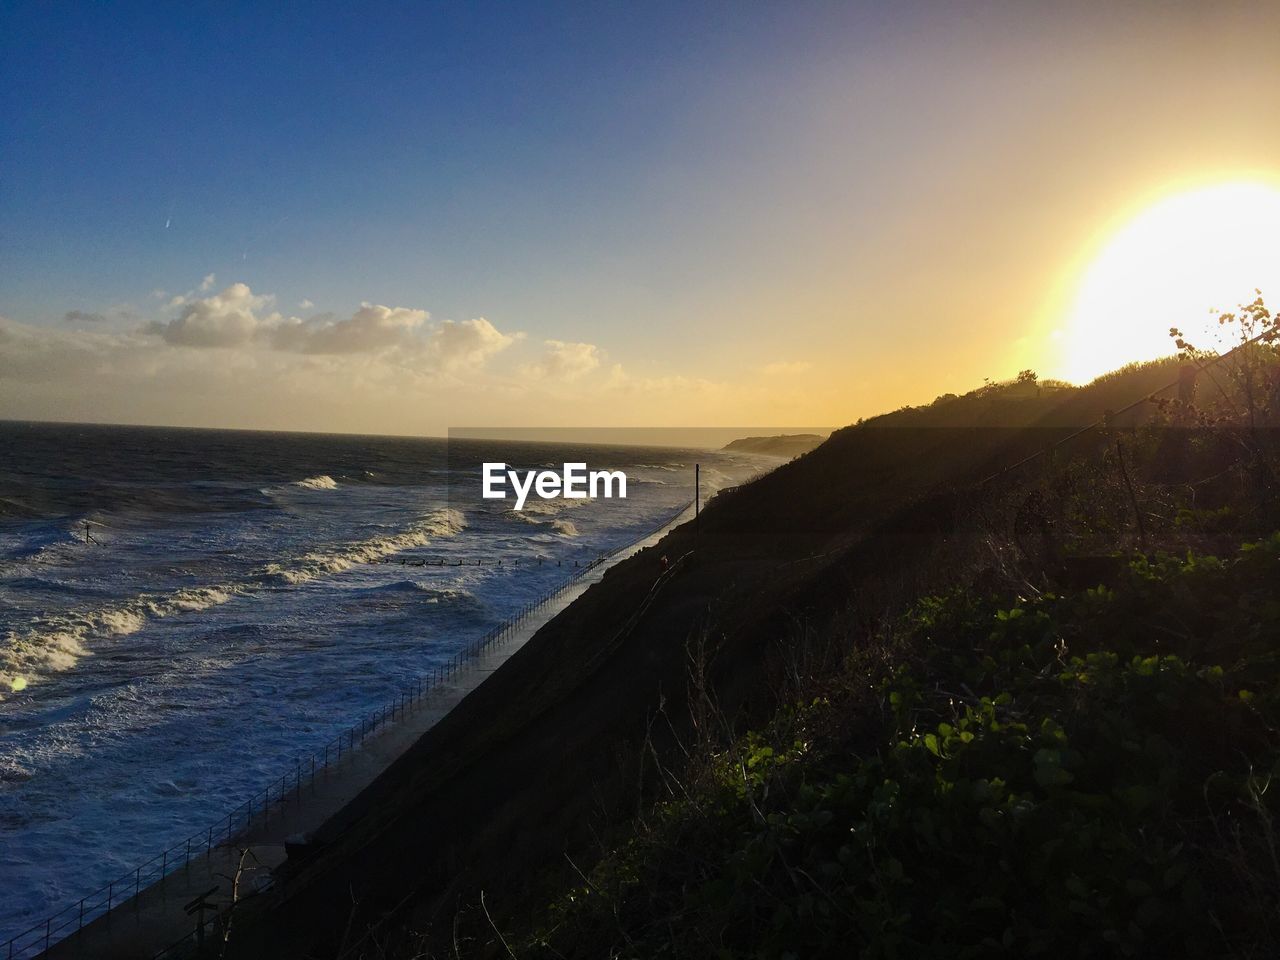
[111, 897]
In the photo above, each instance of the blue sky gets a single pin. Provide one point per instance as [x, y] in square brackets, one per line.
[473, 156]
[715, 212]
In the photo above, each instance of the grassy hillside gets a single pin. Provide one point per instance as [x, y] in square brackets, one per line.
[909, 694]
[1075, 774]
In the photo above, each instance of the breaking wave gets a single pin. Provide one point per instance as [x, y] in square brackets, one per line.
[319, 563]
[57, 643]
[322, 482]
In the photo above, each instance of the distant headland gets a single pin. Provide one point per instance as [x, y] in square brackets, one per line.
[785, 445]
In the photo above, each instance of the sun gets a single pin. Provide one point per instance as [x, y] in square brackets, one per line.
[1169, 267]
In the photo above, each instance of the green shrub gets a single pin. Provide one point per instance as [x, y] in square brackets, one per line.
[1079, 775]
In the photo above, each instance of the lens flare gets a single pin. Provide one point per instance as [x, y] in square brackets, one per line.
[1169, 267]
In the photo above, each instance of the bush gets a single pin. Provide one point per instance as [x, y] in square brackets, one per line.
[1077, 775]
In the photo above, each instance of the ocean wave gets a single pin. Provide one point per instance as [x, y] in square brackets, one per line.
[533, 509]
[47, 544]
[193, 599]
[319, 563]
[564, 528]
[11, 771]
[55, 644]
[399, 586]
[12, 507]
[424, 592]
[322, 482]
[546, 508]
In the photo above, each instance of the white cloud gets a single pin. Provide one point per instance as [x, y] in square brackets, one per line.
[370, 328]
[671, 384]
[786, 368]
[229, 358]
[467, 343]
[207, 283]
[563, 360]
[382, 369]
[305, 304]
[239, 318]
[226, 319]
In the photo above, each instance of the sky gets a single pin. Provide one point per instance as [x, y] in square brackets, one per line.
[402, 218]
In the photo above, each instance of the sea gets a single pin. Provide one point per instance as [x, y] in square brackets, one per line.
[185, 613]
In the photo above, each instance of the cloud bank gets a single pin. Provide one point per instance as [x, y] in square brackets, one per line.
[230, 358]
[237, 317]
[565, 361]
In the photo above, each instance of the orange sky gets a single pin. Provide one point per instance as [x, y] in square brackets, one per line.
[800, 220]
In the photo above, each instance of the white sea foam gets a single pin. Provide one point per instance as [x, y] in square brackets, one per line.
[322, 482]
[121, 622]
[320, 563]
[194, 599]
[565, 528]
[546, 508]
[57, 643]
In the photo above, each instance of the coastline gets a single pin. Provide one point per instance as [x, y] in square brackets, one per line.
[152, 922]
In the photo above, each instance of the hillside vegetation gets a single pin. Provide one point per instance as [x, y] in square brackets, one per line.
[784, 445]
[965, 680]
[1085, 774]
[1066, 747]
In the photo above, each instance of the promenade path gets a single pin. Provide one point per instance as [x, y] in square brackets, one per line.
[154, 923]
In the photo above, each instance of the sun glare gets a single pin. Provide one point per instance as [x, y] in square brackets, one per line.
[1169, 267]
